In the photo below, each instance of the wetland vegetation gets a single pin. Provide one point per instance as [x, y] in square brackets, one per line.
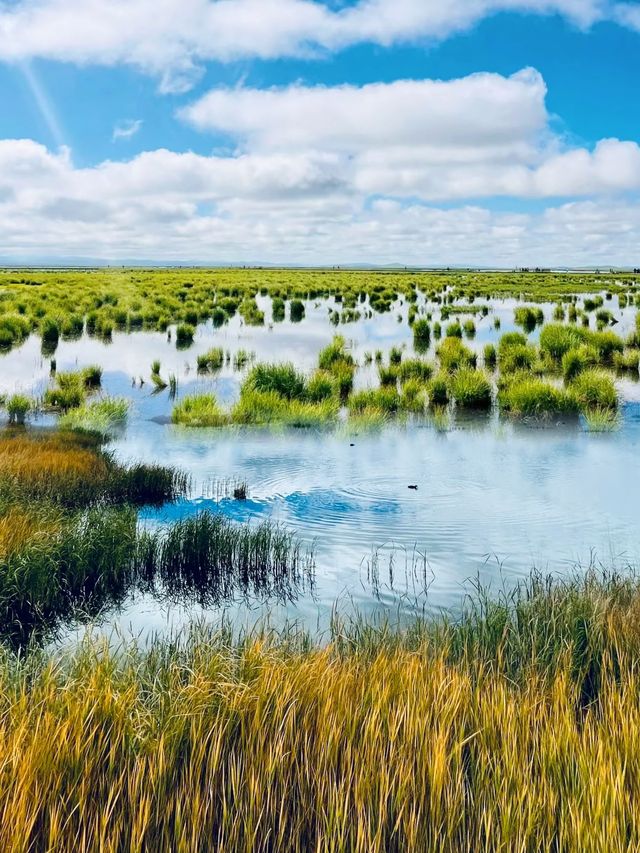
[513, 714]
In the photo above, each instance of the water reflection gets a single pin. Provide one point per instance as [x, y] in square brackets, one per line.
[493, 497]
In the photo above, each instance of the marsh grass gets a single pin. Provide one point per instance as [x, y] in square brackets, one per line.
[103, 417]
[527, 395]
[72, 470]
[594, 389]
[470, 388]
[18, 407]
[212, 559]
[513, 727]
[262, 408]
[213, 360]
[199, 410]
[601, 419]
[453, 354]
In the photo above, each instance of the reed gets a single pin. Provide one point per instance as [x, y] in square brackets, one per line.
[212, 559]
[513, 727]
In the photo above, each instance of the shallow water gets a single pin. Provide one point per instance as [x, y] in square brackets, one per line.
[493, 500]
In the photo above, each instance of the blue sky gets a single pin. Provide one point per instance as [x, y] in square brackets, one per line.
[282, 131]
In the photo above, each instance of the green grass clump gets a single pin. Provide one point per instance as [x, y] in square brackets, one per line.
[388, 375]
[469, 328]
[421, 334]
[321, 385]
[282, 379]
[92, 376]
[13, 330]
[454, 330]
[415, 368]
[601, 419]
[199, 410]
[213, 359]
[184, 334]
[527, 395]
[383, 401]
[470, 388]
[453, 354]
[594, 389]
[627, 361]
[413, 396]
[490, 356]
[528, 317]
[261, 408]
[438, 390]
[509, 341]
[102, 417]
[517, 357]
[557, 339]
[577, 359]
[335, 354]
[278, 309]
[607, 343]
[336, 360]
[250, 312]
[18, 407]
[296, 310]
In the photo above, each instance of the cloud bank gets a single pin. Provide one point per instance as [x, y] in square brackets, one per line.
[172, 38]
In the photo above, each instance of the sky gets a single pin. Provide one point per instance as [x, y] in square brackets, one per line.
[501, 133]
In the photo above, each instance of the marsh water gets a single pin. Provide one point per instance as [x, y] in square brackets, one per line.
[490, 498]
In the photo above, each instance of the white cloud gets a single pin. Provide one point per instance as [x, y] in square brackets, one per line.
[479, 110]
[282, 208]
[171, 38]
[126, 129]
[481, 135]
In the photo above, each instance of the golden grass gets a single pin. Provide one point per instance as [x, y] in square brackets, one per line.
[19, 527]
[29, 458]
[270, 748]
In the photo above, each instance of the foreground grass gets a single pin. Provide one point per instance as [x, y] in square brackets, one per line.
[516, 727]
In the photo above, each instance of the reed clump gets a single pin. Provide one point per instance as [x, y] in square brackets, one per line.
[514, 727]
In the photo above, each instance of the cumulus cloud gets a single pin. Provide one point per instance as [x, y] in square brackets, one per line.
[126, 129]
[280, 208]
[171, 38]
[481, 135]
[482, 109]
[339, 174]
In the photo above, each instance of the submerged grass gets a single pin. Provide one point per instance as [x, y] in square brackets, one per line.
[514, 727]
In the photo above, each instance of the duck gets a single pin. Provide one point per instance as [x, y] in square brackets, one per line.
[414, 487]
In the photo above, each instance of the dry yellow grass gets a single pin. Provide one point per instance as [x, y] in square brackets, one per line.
[59, 457]
[314, 751]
